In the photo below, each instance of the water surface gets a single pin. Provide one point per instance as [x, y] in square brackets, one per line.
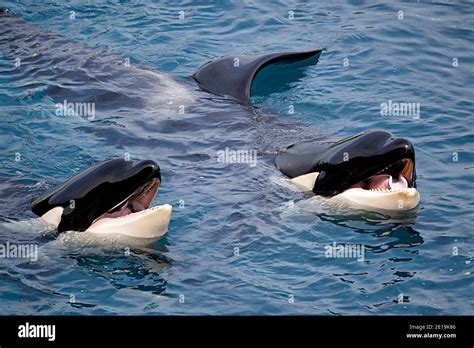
[236, 243]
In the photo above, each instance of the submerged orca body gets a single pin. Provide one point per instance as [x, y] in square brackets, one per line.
[371, 170]
[110, 81]
[110, 197]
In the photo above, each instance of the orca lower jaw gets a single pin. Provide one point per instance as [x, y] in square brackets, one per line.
[138, 201]
[391, 189]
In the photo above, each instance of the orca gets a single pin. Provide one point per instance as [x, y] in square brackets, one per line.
[379, 172]
[372, 170]
[110, 197]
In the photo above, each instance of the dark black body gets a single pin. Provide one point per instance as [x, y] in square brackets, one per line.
[348, 161]
[94, 191]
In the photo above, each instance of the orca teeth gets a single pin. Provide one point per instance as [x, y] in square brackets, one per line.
[144, 190]
[385, 190]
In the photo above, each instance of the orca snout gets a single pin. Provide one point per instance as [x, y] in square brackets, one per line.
[150, 167]
[404, 148]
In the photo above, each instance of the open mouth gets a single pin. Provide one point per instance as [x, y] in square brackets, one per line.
[396, 177]
[138, 201]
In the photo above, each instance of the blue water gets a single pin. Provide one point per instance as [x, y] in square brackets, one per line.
[420, 264]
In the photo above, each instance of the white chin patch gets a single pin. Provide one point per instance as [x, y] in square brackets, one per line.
[150, 223]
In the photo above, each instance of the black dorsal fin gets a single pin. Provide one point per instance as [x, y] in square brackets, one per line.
[233, 75]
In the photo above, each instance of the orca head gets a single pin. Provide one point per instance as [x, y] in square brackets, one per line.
[109, 189]
[369, 160]
[374, 169]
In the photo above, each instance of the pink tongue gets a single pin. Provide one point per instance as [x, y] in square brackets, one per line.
[138, 206]
[379, 182]
[125, 210]
[122, 212]
[386, 181]
[400, 184]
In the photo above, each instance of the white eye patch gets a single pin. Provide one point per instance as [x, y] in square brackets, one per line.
[306, 182]
[53, 216]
